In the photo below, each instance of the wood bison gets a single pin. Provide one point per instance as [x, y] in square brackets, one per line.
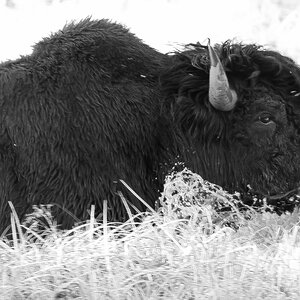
[93, 104]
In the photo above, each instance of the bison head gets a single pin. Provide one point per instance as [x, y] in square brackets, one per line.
[237, 106]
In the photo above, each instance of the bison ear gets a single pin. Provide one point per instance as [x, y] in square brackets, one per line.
[294, 99]
[293, 108]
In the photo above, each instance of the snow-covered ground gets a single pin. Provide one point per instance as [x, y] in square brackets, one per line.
[164, 24]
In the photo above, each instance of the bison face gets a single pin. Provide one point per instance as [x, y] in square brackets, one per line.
[256, 142]
[265, 142]
[263, 117]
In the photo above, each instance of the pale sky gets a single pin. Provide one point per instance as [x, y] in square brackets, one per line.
[163, 24]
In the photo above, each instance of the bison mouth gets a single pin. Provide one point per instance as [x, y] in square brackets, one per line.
[279, 197]
[279, 203]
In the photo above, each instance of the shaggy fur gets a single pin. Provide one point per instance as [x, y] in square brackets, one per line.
[93, 104]
[257, 143]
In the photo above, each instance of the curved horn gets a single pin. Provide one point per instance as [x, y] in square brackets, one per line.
[221, 96]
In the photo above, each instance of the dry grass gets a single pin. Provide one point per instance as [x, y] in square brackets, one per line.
[163, 257]
[182, 252]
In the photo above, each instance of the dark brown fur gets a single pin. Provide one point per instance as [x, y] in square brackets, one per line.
[93, 104]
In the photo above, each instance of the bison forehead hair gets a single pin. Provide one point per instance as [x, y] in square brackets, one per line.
[257, 142]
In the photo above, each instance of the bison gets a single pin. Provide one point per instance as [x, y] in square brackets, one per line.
[93, 104]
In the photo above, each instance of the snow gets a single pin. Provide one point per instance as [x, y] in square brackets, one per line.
[163, 24]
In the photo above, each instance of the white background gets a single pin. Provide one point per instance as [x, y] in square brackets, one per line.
[163, 24]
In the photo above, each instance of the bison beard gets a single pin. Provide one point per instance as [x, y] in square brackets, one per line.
[93, 104]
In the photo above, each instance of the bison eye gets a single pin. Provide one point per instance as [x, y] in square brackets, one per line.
[265, 119]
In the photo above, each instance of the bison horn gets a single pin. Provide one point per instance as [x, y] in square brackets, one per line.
[221, 96]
